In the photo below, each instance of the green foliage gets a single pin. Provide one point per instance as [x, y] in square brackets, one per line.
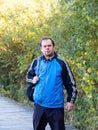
[73, 24]
[86, 111]
[80, 34]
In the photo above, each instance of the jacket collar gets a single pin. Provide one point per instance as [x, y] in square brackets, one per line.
[55, 56]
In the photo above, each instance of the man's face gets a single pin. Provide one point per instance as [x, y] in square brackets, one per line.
[47, 48]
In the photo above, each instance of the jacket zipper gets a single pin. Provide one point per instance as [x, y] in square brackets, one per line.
[44, 81]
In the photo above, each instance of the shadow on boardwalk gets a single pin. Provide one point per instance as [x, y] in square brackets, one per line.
[15, 116]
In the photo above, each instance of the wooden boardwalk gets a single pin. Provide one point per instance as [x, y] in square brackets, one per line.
[15, 116]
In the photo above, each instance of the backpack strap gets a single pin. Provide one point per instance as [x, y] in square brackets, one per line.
[38, 65]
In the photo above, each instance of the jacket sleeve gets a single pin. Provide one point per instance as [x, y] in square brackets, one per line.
[31, 71]
[69, 83]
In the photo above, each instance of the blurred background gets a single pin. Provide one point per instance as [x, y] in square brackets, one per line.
[73, 25]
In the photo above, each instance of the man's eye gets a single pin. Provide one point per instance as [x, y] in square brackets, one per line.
[49, 45]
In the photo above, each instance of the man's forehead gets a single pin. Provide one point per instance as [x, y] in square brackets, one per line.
[46, 41]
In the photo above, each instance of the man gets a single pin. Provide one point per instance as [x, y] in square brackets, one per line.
[50, 77]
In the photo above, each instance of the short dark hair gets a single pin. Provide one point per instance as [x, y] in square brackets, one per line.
[46, 38]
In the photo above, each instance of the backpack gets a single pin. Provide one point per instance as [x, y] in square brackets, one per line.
[31, 87]
[30, 91]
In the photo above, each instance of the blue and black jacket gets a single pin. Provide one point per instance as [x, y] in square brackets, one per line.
[54, 75]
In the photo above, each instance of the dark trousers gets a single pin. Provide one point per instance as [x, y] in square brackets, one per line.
[53, 116]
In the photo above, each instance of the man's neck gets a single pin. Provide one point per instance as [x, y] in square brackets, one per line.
[49, 57]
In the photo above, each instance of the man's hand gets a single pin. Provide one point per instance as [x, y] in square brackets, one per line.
[35, 79]
[69, 106]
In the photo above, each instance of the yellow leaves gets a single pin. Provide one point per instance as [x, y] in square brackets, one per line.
[88, 90]
[22, 14]
[79, 65]
[85, 53]
[88, 83]
[91, 20]
[2, 48]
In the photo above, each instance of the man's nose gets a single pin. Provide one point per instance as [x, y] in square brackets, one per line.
[47, 47]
